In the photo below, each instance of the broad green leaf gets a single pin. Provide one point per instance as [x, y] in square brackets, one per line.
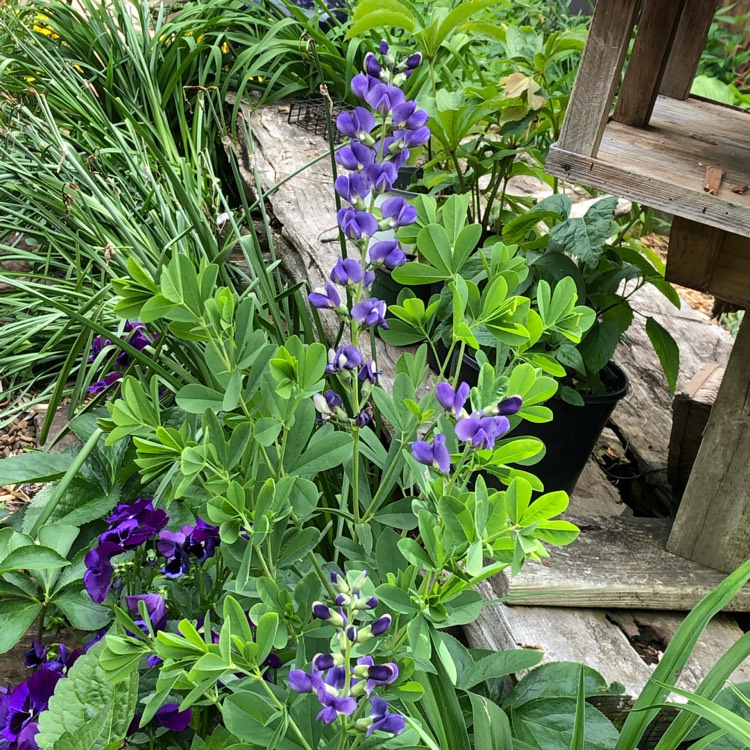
[86, 696]
[32, 557]
[499, 664]
[666, 349]
[34, 466]
[327, 450]
[16, 616]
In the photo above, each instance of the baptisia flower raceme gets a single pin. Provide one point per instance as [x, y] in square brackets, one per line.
[481, 428]
[341, 680]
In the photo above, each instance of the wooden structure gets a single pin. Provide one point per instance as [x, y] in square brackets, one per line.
[689, 157]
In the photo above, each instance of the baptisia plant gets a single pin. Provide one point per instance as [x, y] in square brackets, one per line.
[267, 482]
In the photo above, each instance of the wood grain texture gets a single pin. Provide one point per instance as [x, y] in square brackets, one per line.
[643, 419]
[617, 563]
[687, 47]
[713, 524]
[691, 409]
[598, 75]
[664, 166]
[657, 28]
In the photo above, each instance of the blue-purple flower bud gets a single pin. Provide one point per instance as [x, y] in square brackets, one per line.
[321, 662]
[381, 625]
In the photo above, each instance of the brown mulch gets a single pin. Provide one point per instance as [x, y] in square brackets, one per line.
[17, 437]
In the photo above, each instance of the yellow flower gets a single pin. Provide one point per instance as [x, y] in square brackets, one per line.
[43, 27]
[225, 48]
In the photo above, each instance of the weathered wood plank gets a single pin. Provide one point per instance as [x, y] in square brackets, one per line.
[687, 48]
[691, 409]
[594, 494]
[643, 419]
[617, 563]
[664, 166]
[716, 503]
[657, 28]
[598, 75]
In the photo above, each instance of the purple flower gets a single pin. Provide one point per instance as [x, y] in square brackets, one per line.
[141, 338]
[413, 61]
[388, 253]
[94, 640]
[334, 705]
[413, 138]
[383, 98]
[353, 186]
[399, 212]
[170, 717]
[362, 84]
[369, 373]
[382, 624]
[156, 608]
[97, 345]
[480, 430]
[381, 175]
[34, 657]
[435, 455]
[98, 576]
[344, 358]
[355, 156]
[325, 298]
[104, 383]
[139, 510]
[201, 539]
[375, 674]
[172, 545]
[301, 682]
[357, 224]
[61, 661]
[325, 403]
[324, 612]
[450, 400]
[133, 532]
[24, 705]
[370, 312]
[348, 271]
[509, 406]
[372, 66]
[409, 116]
[382, 720]
[356, 124]
[362, 419]
[383, 47]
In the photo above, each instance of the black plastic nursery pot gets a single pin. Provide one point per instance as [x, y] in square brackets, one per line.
[572, 434]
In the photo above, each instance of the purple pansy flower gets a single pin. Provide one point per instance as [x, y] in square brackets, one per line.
[105, 382]
[356, 124]
[202, 540]
[435, 455]
[480, 430]
[450, 400]
[98, 576]
[327, 298]
[388, 253]
[24, 705]
[370, 312]
[171, 544]
[62, 660]
[156, 608]
[168, 716]
[353, 186]
[344, 358]
[34, 657]
[382, 720]
[97, 345]
[357, 224]
[398, 212]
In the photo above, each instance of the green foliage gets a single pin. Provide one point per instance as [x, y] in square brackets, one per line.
[86, 702]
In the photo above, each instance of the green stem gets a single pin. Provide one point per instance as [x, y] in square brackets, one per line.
[282, 708]
[64, 483]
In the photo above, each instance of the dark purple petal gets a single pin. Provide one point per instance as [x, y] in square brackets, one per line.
[156, 608]
[369, 373]
[347, 271]
[441, 455]
[413, 61]
[387, 252]
[321, 662]
[391, 723]
[370, 312]
[98, 576]
[170, 717]
[104, 383]
[356, 124]
[383, 98]
[362, 84]
[357, 224]
[344, 358]
[325, 298]
[34, 657]
[300, 682]
[413, 138]
[372, 66]
[362, 419]
[381, 175]
[335, 677]
[383, 47]
[380, 625]
[509, 406]
[422, 451]
[399, 212]
[353, 186]
[202, 540]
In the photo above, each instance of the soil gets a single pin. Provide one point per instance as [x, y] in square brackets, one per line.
[17, 437]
